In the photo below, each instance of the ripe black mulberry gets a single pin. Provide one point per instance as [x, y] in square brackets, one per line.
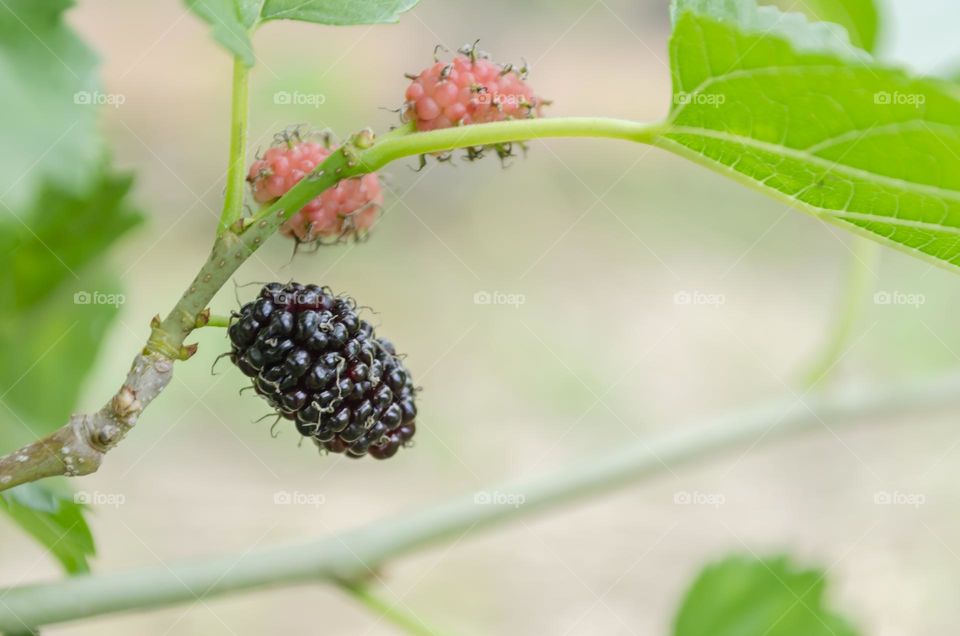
[320, 365]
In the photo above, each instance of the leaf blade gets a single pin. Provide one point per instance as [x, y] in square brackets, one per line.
[48, 81]
[860, 18]
[803, 115]
[50, 341]
[55, 520]
[337, 12]
[233, 21]
[748, 596]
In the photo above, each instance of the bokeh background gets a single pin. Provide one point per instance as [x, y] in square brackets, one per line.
[598, 237]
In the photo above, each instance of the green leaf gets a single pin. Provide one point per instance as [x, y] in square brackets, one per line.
[793, 109]
[745, 596]
[50, 337]
[50, 92]
[63, 303]
[338, 12]
[49, 350]
[860, 18]
[53, 518]
[63, 234]
[233, 21]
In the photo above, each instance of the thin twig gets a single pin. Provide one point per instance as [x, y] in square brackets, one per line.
[390, 612]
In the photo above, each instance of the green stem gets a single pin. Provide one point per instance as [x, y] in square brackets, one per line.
[858, 284]
[351, 555]
[390, 612]
[393, 147]
[236, 166]
[358, 156]
[216, 320]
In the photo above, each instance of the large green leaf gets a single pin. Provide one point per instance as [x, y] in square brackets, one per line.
[860, 18]
[48, 107]
[792, 108]
[51, 516]
[63, 233]
[745, 596]
[232, 21]
[62, 302]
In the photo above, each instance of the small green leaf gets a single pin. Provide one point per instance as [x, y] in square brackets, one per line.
[233, 21]
[50, 96]
[860, 18]
[745, 596]
[792, 108]
[338, 12]
[52, 517]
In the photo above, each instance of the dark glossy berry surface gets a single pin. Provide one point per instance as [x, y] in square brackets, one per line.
[321, 366]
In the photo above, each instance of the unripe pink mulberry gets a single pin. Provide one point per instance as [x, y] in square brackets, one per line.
[348, 209]
[468, 90]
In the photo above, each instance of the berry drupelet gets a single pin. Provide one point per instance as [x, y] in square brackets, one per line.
[318, 364]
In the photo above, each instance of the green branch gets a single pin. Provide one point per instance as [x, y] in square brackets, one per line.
[351, 556]
[393, 147]
[235, 242]
[360, 155]
[237, 164]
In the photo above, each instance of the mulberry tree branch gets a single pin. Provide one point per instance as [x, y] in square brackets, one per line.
[349, 557]
[242, 237]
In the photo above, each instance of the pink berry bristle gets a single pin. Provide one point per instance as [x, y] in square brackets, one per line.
[470, 89]
[347, 210]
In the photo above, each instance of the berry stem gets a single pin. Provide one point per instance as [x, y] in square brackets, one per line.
[352, 555]
[406, 621]
[396, 146]
[362, 154]
[236, 165]
[216, 320]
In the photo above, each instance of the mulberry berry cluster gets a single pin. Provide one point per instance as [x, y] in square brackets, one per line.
[349, 209]
[470, 89]
[317, 363]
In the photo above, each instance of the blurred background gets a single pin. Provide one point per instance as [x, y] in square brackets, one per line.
[595, 240]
